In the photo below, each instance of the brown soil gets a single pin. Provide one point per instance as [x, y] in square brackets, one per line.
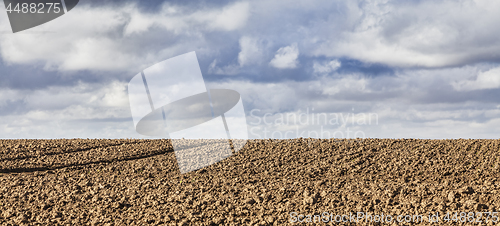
[137, 182]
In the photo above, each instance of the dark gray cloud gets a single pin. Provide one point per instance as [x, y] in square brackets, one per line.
[34, 77]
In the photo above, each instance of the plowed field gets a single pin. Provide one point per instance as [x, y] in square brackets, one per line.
[268, 182]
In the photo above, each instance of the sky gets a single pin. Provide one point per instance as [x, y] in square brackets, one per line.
[343, 69]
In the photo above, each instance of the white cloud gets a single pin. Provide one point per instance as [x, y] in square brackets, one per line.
[286, 57]
[485, 80]
[251, 54]
[113, 38]
[415, 33]
[70, 44]
[251, 51]
[400, 112]
[398, 107]
[225, 70]
[69, 112]
[176, 19]
[344, 84]
[90, 95]
[230, 18]
[326, 67]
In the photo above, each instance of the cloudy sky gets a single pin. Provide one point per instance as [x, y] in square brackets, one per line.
[369, 68]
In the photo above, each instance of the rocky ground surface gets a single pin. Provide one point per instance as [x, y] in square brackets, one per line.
[268, 182]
